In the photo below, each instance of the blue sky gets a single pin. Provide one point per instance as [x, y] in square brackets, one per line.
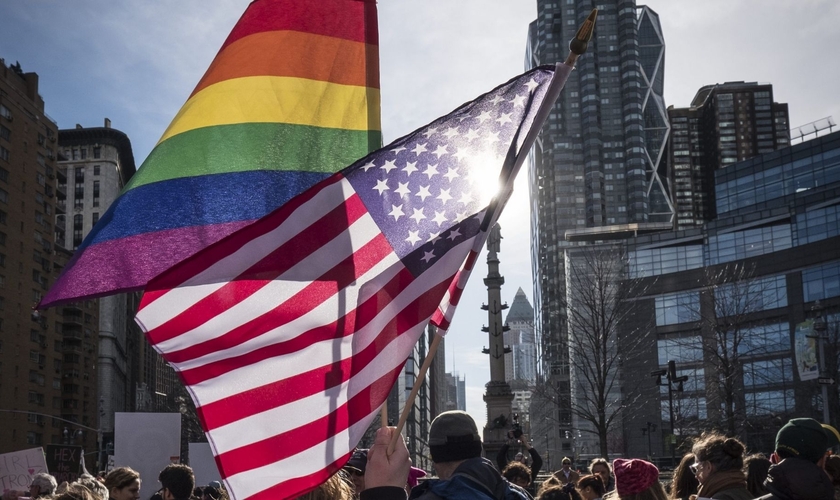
[136, 63]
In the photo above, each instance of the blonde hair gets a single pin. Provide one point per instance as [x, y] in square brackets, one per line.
[334, 488]
[121, 477]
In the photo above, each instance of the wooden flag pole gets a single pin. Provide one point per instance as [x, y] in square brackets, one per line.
[383, 413]
[409, 403]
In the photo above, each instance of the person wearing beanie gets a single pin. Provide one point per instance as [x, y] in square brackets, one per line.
[636, 479]
[566, 474]
[719, 468]
[455, 447]
[798, 471]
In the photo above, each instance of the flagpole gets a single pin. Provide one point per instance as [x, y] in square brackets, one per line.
[577, 47]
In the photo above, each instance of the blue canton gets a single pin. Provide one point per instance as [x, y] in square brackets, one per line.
[425, 190]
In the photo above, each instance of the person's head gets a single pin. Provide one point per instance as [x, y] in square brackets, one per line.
[715, 452]
[123, 483]
[518, 474]
[559, 492]
[591, 486]
[637, 480]
[802, 438]
[567, 463]
[832, 468]
[548, 483]
[334, 488]
[755, 468]
[177, 482]
[600, 467]
[97, 488]
[453, 438]
[213, 491]
[75, 491]
[43, 484]
[684, 483]
[355, 468]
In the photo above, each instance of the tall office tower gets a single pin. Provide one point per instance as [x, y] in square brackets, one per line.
[725, 124]
[95, 164]
[521, 362]
[597, 171]
[40, 376]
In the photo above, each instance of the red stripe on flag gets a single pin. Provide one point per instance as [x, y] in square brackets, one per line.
[349, 19]
[276, 394]
[195, 265]
[303, 302]
[261, 273]
[314, 432]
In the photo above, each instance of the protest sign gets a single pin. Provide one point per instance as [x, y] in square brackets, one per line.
[64, 462]
[18, 467]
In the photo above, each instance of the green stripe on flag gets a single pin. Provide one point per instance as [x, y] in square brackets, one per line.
[255, 146]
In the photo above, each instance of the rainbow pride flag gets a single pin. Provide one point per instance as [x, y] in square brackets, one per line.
[291, 97]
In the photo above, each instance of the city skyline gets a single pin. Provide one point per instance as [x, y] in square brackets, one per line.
[136, 66]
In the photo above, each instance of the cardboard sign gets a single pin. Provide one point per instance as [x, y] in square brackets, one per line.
[64, 462]
[203, 464]
[147, 442]
[18, 467]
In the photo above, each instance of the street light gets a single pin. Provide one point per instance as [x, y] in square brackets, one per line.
[824, 379]
[66, 432]
[670, 381]
[647, 431]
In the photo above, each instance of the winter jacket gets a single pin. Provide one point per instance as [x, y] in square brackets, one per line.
[797, 479]
[475, 479]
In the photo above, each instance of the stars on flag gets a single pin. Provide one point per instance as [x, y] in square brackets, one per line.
[432, 179]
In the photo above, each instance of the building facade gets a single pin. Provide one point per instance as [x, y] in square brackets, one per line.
[48, 374]
[521, 361]
[599, 169]
[734, 300]
[726, 123]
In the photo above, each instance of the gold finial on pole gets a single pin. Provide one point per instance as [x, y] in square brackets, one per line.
[581, 40]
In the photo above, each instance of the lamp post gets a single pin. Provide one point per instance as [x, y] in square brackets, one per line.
[673, 383]
[825, 379]
[66, 432]
[647, 431]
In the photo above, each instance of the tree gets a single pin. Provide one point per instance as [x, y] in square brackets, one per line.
[596, 306]
[733, 335]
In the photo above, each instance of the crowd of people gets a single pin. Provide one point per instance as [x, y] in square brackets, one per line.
[802, 467]
[177, 482]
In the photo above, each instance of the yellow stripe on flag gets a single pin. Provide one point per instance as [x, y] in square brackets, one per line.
[271, 99]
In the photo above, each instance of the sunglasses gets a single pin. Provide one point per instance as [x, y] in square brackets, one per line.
[694, 467]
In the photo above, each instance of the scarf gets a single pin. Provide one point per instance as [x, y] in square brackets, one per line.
[720, 481]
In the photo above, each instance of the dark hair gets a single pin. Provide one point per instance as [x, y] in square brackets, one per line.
[565, 492]
[832, 467]
[594, 481]
[755, 468]
[683, 483]
[722, 452]
[178, 479]
[517, 470]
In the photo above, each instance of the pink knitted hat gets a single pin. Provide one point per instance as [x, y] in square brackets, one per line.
[633, 476]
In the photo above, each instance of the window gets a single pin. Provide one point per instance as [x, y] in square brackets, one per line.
[97, 153]
[4, 153]
[677, 308]
[5, 133]
[95, 167]
[94, 218]
[5, 112]
[78, 230]
[821, 282]
[79, 196]
[681, 350]
[95, 193]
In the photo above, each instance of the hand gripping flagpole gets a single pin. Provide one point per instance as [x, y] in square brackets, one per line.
[513, 163]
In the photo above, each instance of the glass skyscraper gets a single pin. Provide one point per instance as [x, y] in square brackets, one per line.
[598, 171]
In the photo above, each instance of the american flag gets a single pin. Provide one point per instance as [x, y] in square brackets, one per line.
[290, 333]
